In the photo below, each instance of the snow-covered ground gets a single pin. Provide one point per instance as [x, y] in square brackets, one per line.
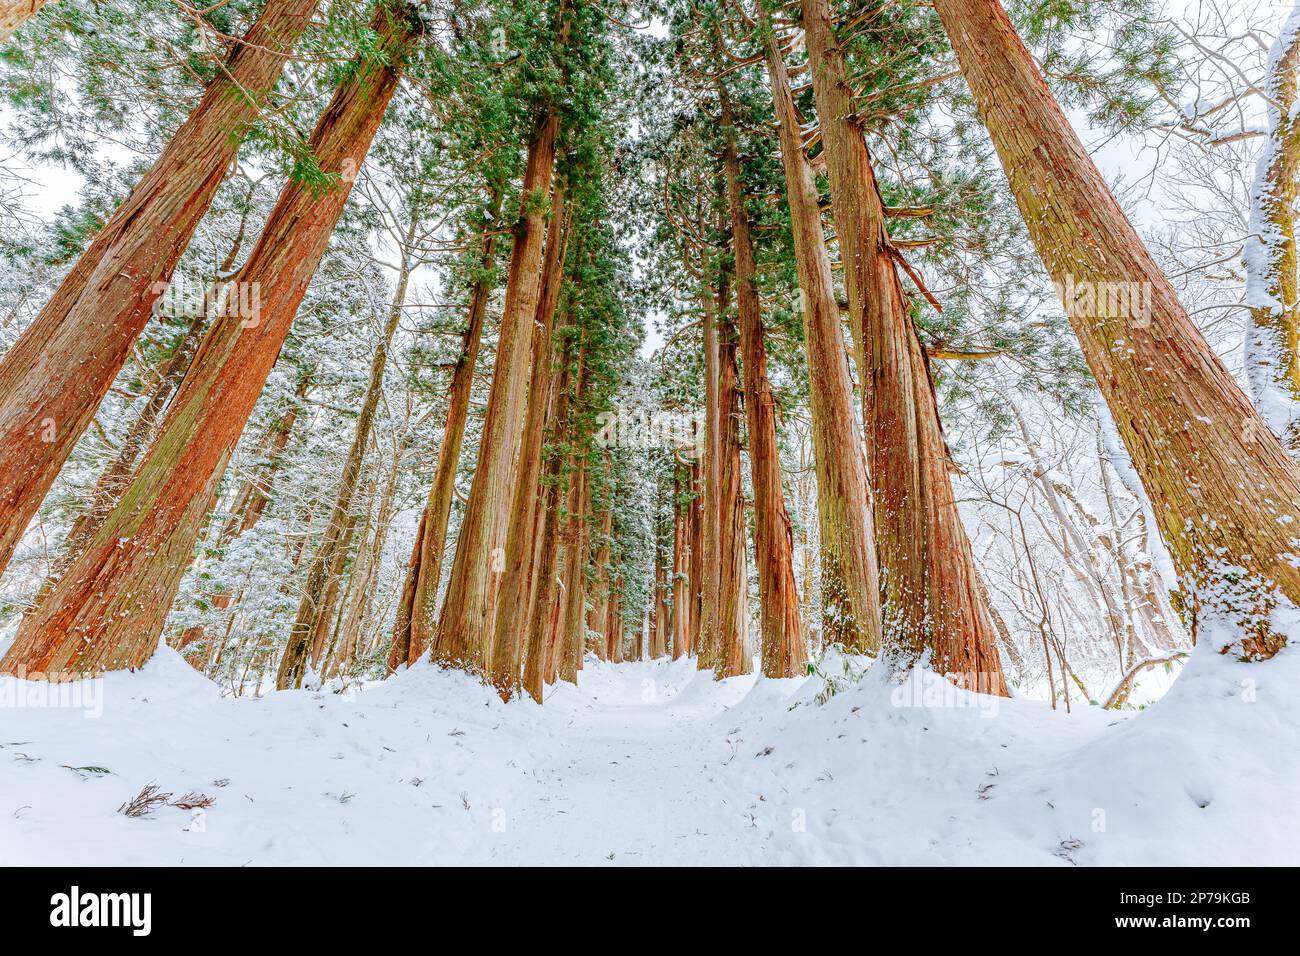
[652, 763]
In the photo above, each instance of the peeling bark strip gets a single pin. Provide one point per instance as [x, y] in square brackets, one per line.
[930, 594]
[1225, 493]
[850, 584]
[108, 610]
[61, 367]
[13, 13]
[782, 642]
[463, 629]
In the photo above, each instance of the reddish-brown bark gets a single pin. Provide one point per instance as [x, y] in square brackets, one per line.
[570, 636]
[415, 610]
[14, 12]
[711, 624]
[733, 592]
[254, 494]
[506, 660]
[463, 630]
[680, 633]
[61, 367]
[850, 584]
[930, 597]
[1224, 490]
[108, 610]
[695, 560]
[782, 644]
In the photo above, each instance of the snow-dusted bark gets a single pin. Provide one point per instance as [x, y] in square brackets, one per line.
[1224, 491]
[108, 611]
[58, 371]
[1272, 365]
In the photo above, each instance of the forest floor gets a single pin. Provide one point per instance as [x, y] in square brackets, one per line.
[651, 763]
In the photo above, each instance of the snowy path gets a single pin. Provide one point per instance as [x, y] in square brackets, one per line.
[650, 763]
[631, 782]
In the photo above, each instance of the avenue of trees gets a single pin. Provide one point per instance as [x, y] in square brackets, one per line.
[499, 333]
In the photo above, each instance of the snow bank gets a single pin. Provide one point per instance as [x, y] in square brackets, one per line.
[652, 763]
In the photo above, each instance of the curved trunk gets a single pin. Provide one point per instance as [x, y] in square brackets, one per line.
[54, 377]
[850, 583]
[1223, 488]
[930, 596]
[108, 610]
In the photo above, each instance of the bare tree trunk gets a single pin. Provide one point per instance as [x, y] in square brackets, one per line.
[365, 573]
[571, 637]
[658, 612]
[14, 12]
[710, 643]
[1223, 488]
[323, 622]
[850, 582]
[733, 593]
[695, 564]
[54, 377]
[108, 610]
[539, 666]
[114, 478]
[320, 573]
[681, 612]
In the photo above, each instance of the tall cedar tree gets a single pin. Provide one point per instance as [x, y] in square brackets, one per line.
[782, 642]
[61, 367]
[108, 610]
[464, 628]
[1223, 488]
[850, 581]
[930, 594]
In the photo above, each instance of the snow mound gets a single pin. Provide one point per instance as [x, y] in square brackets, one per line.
[650, 763]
